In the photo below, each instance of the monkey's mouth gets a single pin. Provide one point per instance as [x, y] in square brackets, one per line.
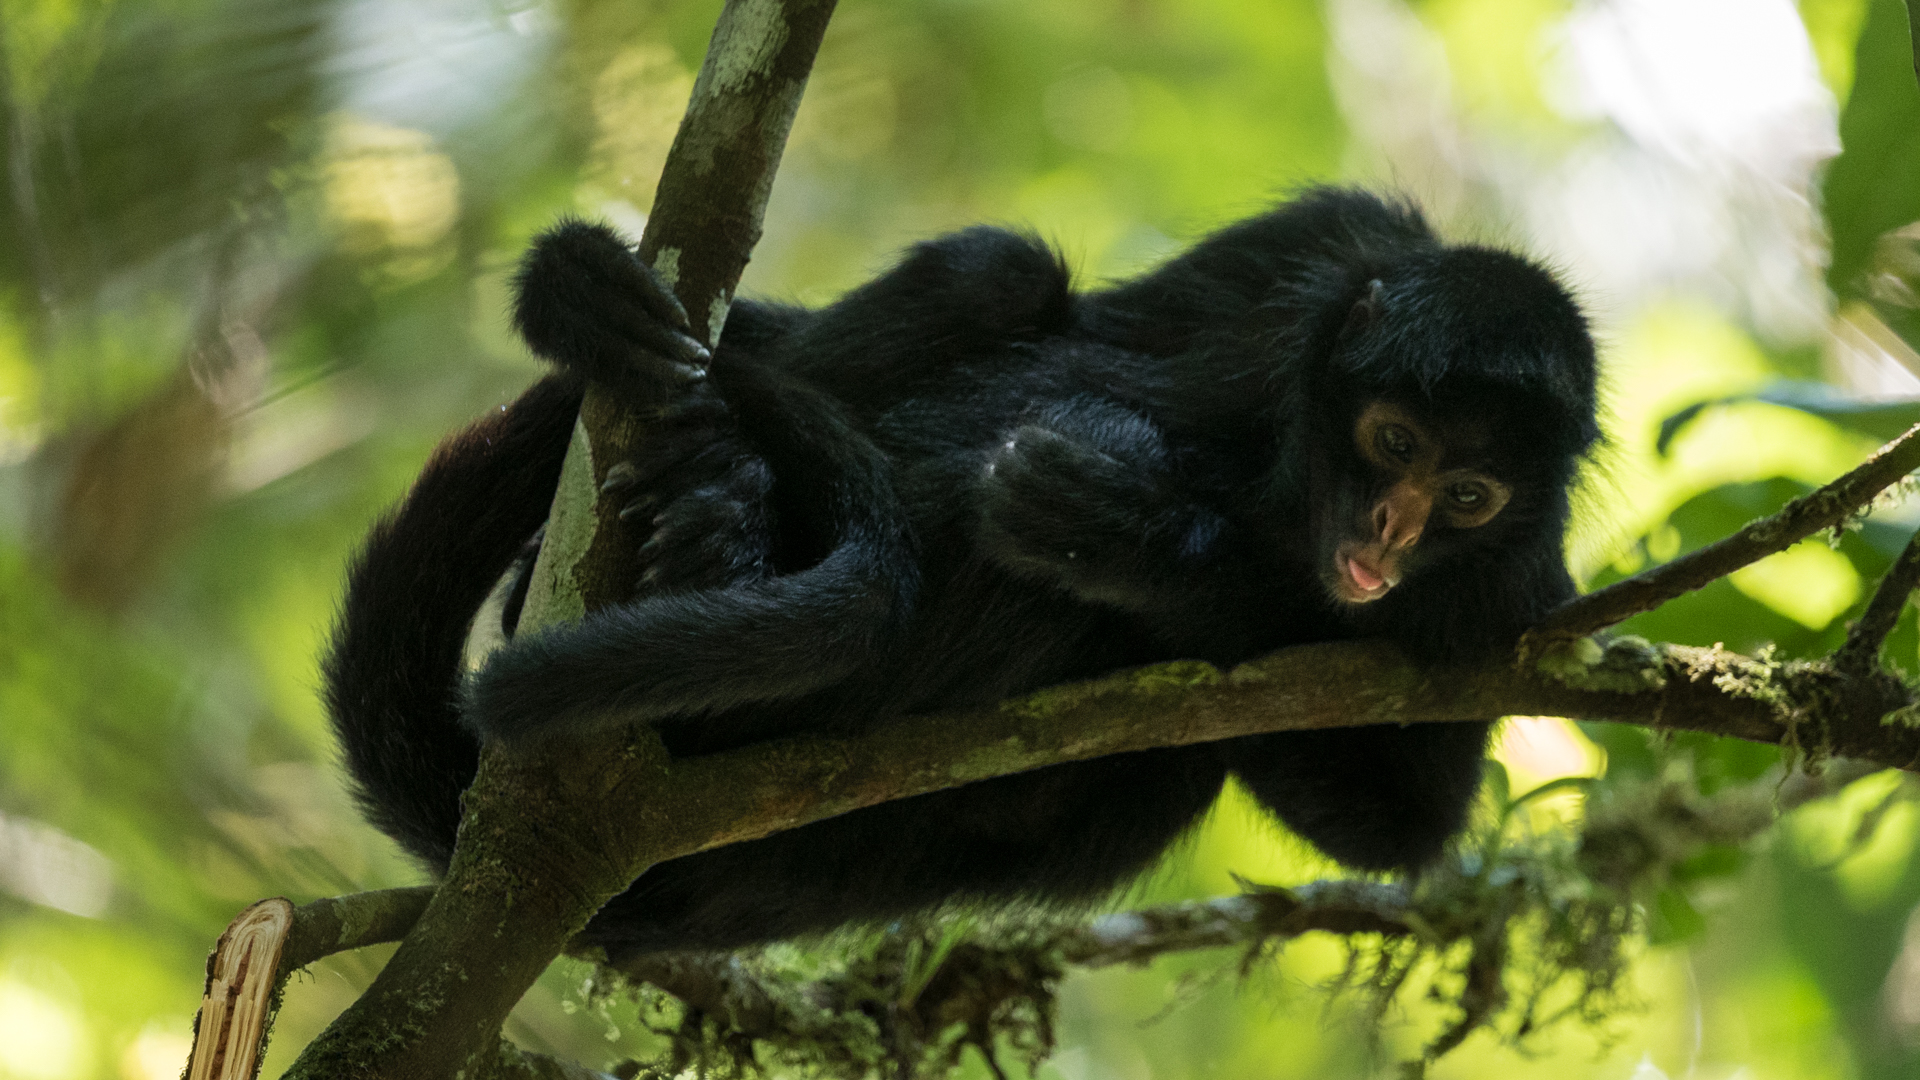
[1360, 579]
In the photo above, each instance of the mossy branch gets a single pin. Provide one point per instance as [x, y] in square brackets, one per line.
[908, 1000]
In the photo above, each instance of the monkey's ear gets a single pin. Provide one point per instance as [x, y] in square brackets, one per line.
[1366, 310]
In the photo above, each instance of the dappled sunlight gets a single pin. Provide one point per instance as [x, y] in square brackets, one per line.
[1810, 583]
[41, 1038]
[20, 428]
[637, 101]
[387, 187]
[1540, 749]
[158, 1052]
[41, 864]
[1865, 835]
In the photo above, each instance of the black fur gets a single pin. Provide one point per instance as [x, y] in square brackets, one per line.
[964, 481]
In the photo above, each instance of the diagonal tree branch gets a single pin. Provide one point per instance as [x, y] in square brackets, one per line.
[1861, 652]
[720, 799]
[1826, 508]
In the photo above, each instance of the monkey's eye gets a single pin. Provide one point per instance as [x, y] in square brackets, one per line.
[1396, 442]
[1467, 496]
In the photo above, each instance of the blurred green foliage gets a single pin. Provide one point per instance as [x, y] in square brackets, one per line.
[253, 264]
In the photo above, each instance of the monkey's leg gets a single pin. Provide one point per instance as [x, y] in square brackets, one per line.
[772, 638]
[394, 664]
[1375, 798]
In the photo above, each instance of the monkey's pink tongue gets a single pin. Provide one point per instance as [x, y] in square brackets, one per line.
[1363, 577]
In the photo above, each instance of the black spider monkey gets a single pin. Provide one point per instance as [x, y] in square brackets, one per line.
[963, 481]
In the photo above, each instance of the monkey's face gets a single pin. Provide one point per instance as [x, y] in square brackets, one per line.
[1411, 488]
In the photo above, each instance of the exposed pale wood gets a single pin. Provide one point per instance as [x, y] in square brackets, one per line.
[230, 1032]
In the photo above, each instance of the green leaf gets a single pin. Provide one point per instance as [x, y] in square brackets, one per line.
[1718, 860]
[1499, 785]
[1873, 187]
[1880, 418]
[1674, 918]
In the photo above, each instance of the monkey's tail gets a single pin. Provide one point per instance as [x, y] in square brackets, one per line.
[770, 639]
[392, 672]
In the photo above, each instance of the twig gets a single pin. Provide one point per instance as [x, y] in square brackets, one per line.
[1336, 907]
[1862, 649]
[1799, 519]
[339, 923]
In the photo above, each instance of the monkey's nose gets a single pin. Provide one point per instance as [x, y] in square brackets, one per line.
[1400, 518]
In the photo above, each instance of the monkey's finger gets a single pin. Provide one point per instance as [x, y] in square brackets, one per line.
[621, 475]
[705, 412]
[659, 298]
[640, 505]
[644, 330]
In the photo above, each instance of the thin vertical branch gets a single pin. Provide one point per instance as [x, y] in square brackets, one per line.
[1861, 652]
[525, 859]
[705, 222]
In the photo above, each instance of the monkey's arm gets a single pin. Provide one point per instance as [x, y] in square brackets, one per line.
[1084, 497]
[766, 638]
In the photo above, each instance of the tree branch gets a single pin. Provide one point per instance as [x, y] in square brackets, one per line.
[705, 222]
[339, 923]
[720, 799]
[1826, 508]
[917, 994]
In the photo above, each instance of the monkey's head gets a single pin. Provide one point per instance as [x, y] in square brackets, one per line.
[1451, 415]
[1412, 480]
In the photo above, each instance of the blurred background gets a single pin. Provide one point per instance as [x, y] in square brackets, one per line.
[253, 263]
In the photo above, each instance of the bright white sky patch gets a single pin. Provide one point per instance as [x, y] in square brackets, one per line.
[1734, 78]
[1726, 121]
[40, 863]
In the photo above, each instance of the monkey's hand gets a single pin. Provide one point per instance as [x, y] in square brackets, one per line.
[584, 301]
[704, 495]
[1102, 521]
[716, 535]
